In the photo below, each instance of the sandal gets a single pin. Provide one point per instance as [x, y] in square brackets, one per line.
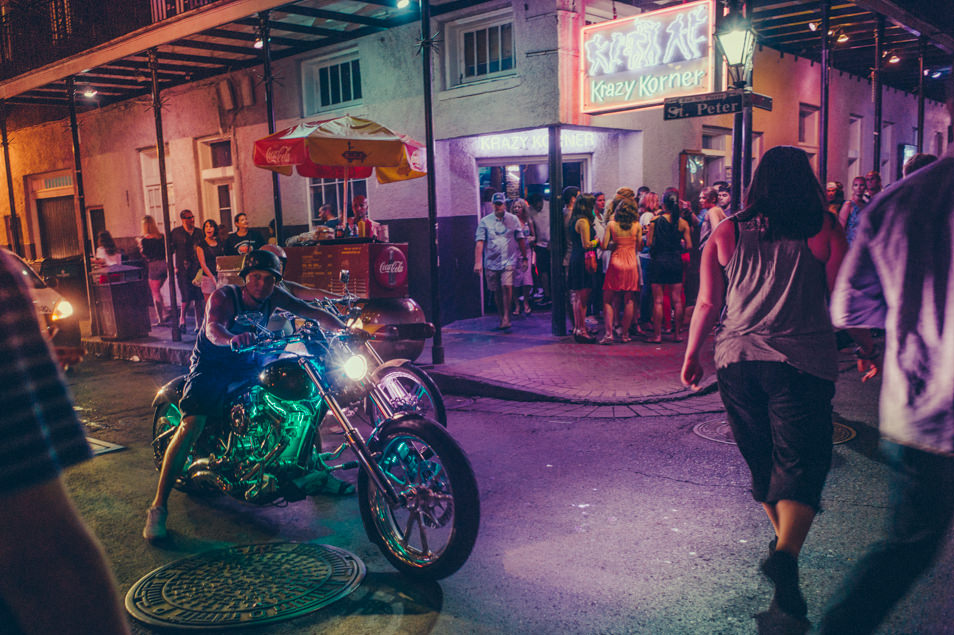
[625, 339]
[606, 340]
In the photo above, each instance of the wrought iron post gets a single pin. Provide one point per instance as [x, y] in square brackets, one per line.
[922, 49]
[437, 347]
[876, 90]
[15, 240]
[825, 81]
[263, 30]
[81, 204]
[557, 234]
[164, 195]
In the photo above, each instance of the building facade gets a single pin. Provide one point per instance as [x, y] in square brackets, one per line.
[503, 72]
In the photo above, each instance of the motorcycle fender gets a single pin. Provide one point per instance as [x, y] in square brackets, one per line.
[391, 363]
[170, 393]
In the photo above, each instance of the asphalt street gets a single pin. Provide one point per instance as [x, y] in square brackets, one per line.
[592, 522]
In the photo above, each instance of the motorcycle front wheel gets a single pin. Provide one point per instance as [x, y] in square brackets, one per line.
[409, 390]
[431, 533]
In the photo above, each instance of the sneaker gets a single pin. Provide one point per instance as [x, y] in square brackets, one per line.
[155, 528]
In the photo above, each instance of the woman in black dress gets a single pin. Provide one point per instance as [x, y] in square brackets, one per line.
[153, 249]
[580, 281]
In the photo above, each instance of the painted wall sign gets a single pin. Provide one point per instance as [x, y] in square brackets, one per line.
[639, 61]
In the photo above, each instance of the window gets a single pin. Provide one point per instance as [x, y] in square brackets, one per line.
[331, 191]
[480, 48]
[331, 83]
[488, 51]
[152, 192]
[854, 142]
[717, 150]
[221, 152]
[887, 150]
[938, 143]
[808, 124]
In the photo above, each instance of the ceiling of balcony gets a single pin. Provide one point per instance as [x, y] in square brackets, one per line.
[301, 26]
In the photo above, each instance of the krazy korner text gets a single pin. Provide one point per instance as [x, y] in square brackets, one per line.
[645, 86]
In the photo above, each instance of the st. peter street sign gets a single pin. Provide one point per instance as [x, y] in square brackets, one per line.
[726, 102]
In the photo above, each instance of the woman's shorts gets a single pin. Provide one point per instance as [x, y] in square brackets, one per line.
[208, 285]
[157, 270]
[781, 420]
[665, 271]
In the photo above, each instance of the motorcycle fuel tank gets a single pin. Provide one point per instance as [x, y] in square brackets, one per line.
[285, 379]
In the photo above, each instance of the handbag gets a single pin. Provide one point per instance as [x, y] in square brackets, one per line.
[589, 261]
[197, 281]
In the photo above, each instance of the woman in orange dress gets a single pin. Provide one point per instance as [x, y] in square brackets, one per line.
[622, 276]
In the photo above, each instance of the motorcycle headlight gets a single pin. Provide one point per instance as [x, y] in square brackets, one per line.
[62, 310]
[356, 368]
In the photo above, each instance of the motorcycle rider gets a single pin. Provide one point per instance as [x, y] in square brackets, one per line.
[214, 365]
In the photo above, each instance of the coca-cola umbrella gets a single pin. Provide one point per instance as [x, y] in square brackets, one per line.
[342, 148]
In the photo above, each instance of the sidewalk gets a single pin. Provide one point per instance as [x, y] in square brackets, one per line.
[526, 363]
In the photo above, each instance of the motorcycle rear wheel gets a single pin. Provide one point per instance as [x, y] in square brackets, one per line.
[432, 534]
[409, 390]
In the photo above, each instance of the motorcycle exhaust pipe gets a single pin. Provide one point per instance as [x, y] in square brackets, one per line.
[210, 479]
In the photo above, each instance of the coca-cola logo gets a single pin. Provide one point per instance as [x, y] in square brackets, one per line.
[390, 267]
[278, 155]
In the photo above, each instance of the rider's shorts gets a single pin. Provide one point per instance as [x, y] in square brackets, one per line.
[205, 389]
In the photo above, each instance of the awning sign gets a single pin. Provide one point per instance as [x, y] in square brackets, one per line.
[639, 61]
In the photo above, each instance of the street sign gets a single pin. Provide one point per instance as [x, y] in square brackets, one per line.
[722, 103]
[725, 102]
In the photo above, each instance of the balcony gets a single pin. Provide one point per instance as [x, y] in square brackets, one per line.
[34, 33]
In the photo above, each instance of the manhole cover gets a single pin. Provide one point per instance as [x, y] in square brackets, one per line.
[718, 430]
[244, 585]
[715, 430]
[842, 433]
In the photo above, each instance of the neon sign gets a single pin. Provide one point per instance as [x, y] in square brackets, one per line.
[533, 142]
[639, 61]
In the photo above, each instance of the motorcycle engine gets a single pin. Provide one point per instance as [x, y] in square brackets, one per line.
[271, 438]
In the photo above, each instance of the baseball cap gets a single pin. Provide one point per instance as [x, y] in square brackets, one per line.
[499, 197]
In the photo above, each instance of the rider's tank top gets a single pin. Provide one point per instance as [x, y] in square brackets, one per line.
[206, 353]
[776, 305]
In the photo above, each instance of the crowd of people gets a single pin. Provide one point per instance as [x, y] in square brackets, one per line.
[194, 258]
[630, 262]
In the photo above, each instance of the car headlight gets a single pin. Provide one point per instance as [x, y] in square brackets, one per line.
[355, 323]
[356, 368]
[62, 310]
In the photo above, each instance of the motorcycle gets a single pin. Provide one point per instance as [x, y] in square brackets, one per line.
[417, 492]
[408, 387]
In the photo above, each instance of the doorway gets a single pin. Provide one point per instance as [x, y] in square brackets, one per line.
[57, 223]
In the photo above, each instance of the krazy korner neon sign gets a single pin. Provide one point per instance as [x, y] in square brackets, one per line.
[534, 142]
[638, 61]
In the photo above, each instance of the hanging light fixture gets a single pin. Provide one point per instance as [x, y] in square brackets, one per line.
[403, 4]
[736, 39]
[258, 43]
[89, 92]
[842, 37]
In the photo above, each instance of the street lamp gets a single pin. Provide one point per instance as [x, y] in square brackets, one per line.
[736, 40]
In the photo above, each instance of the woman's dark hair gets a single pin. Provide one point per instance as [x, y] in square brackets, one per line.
[624, 213]
[215, 227]
[786, 193]
[583, 208]
[670, 202]
[105, 240]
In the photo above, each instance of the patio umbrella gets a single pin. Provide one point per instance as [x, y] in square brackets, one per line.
[342, 148]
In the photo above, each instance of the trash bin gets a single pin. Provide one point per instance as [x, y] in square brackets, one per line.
[120, 295]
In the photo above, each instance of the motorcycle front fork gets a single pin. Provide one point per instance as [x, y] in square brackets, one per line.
[353, 436]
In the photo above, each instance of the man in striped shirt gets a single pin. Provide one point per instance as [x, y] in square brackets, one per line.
[56, 577]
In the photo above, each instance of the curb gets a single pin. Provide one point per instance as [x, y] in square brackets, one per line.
[479, 387]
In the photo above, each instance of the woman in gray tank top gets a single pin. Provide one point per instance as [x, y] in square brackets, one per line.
[775, 348]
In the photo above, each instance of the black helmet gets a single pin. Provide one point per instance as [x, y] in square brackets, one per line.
[263, 260]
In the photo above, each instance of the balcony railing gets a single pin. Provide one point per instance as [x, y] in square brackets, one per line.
[34, 33]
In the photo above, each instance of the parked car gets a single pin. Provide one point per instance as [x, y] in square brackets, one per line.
[55, 313]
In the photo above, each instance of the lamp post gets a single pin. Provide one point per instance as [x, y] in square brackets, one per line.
[736, 40]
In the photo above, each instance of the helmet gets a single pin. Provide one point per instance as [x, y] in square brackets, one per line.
[278, 251]
[262, 260]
